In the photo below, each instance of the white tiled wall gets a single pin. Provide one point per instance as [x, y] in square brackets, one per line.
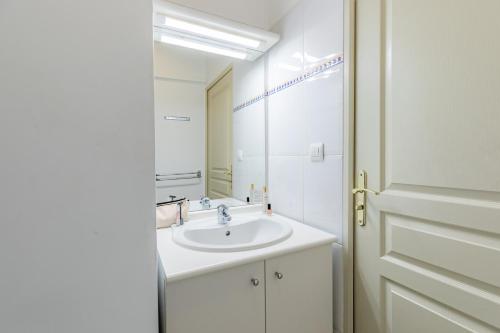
[323, 30]
[285, 58]
[249, 128]
[308, 112]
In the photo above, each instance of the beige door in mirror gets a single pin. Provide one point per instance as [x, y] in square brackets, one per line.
[427, 134]
[220, 138]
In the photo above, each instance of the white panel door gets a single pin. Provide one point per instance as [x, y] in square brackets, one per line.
[428, 135]
[226, 301]
[299, 292]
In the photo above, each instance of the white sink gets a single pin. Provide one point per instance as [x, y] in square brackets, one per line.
[239, 235]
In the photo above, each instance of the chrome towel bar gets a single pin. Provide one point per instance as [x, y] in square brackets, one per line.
[178, 176]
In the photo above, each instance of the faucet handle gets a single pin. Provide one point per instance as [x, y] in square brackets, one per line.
[222, 208]
[205, 201]
[223, 214]
[179, 207]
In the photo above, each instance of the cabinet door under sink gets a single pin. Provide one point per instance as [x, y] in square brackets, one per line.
[299, 292]
[227, 301]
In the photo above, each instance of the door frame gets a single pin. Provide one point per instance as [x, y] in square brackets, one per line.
[226, 71]
[348, 168]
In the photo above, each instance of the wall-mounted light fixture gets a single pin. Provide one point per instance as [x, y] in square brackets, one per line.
[186, 27]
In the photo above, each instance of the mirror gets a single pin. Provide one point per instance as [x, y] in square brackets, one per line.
[210, 128]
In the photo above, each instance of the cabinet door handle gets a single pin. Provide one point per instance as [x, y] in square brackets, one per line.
[255, 282]
[278, 275]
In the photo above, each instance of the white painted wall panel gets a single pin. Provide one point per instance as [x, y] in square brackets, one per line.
[179, 63]
[77, 240]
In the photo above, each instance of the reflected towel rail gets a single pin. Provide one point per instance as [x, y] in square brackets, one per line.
[178, 176]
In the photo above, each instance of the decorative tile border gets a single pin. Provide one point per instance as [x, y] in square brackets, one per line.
[306, 75]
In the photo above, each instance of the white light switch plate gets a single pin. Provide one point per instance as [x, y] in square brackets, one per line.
[317, 152]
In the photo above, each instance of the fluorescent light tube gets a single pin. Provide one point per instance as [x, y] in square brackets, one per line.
[203, 47]
[208, 32]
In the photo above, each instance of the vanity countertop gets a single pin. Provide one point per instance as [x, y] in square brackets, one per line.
[180, 263]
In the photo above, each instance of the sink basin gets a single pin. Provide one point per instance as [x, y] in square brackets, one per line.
[239, 235]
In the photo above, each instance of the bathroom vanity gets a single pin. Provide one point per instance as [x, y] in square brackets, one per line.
[282, 286]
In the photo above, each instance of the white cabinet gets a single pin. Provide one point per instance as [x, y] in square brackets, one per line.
[299, 292]
[226, 301]
[286, 294]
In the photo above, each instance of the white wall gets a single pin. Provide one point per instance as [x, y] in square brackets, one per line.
[249, 128]
[216, 65]
[180, 81]
[277, 9]
[77, 245]
[308, 112]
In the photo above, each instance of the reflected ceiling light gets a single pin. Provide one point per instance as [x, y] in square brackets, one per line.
[209, 32]
[187, 27]
[203, 47]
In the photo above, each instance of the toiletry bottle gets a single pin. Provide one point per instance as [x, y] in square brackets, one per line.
[269, 209]
[264, 199]
[252, 193]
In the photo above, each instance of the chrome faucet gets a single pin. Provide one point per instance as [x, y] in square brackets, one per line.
[179, 207]
[205, 202]
[223, 215]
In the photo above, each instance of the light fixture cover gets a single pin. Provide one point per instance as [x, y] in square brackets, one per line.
[200, 30]
[186, 27]
[200, 46]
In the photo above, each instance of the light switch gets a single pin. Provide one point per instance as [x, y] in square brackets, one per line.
[317, 152]
[240, 155]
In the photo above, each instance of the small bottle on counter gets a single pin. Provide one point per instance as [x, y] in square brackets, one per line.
[252, 193]
[269, 210]
[265, 199]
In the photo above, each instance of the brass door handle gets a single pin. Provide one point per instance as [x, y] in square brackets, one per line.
[360, 192]
[364, 190]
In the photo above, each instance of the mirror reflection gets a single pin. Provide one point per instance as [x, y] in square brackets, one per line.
[209, 149]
